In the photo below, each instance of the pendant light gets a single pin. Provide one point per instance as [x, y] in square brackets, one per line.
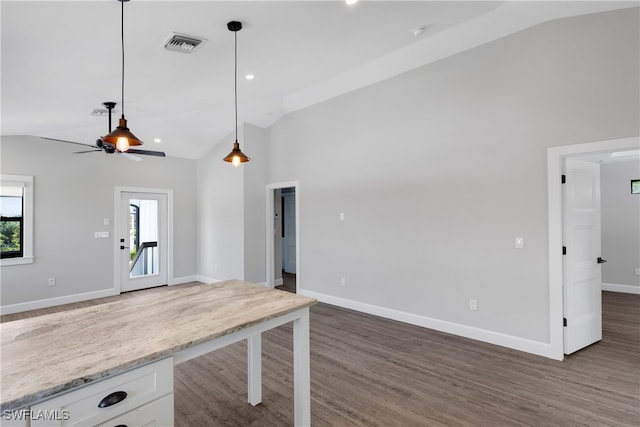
[121, 137]
[236, 156]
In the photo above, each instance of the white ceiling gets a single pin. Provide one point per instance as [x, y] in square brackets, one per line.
[60, 60]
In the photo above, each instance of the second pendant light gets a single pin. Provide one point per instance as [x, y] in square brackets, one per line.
[236, 156]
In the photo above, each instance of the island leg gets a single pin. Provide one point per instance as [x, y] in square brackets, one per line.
[301, 371]
[254, 360]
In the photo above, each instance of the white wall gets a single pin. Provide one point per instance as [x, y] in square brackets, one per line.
[256, 173]
[620, 225]
[438, 169]
[220, 215]
[72, 196]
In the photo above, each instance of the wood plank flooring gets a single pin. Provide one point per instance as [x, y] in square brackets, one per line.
[368, 371]
[288, 282]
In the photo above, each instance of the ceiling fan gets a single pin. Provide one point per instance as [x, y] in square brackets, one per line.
[102, 145]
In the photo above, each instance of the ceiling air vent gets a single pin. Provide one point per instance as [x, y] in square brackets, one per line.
[102, 112]
[181, 43]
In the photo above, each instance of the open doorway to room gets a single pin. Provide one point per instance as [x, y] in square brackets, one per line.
[287, 239]
[283, 236]
[575, 251]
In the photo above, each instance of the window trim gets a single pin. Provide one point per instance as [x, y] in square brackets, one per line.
[26, 182]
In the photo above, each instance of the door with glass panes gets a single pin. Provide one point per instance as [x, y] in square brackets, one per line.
[143, 240]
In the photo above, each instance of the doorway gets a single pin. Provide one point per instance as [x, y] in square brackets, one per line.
[558, 299]
[142, 239]
[283, 237]
[288, 239]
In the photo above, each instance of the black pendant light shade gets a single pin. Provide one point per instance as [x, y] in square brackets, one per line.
[121, 137]
[236, 156]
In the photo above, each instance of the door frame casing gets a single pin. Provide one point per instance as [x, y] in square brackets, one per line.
[117, 285]
[269, 238]
[555, 163]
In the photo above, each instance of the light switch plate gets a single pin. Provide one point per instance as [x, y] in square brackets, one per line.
[519, 242]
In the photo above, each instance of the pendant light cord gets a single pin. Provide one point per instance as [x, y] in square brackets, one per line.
[235, 81]
[122, 43]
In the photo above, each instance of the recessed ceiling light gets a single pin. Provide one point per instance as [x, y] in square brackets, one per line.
[351, 1]
[250, 77]
[157, 140]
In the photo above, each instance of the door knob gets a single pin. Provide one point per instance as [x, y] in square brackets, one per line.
[601, 261]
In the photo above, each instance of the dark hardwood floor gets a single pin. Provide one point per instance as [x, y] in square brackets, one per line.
[288, 282]
[368, 371]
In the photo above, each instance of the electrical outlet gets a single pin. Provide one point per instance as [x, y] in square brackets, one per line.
[473, 304]
[343, 281]
[519, 242]
[52, 281]
[637, 271]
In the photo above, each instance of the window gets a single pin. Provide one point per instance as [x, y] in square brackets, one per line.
[16, 219]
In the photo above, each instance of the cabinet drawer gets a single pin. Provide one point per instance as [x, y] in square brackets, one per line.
[158, 413]
[79, 407]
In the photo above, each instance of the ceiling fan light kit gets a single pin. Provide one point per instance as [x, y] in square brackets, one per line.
[121, 137]
[102, 144]
[236, 156]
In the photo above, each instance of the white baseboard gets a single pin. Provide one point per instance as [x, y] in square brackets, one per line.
[205, 279]
[278, 282]
[184, 279]
[50, 302]
[626, 289]
[497, 338]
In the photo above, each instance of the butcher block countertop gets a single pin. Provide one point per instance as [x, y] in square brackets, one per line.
[46, 355]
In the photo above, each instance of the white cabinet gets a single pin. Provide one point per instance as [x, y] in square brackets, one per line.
[16, 418]
[133, 392]
[158, 413]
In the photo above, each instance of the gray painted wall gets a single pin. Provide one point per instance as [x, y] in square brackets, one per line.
[231, 210]
[72, 196]
[438, 169]
[220, 215]
[620, 223]
[256, 173]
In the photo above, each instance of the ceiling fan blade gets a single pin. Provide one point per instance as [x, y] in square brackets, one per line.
[68, 142]
[146, 152]
[83, 152]
[130, 156]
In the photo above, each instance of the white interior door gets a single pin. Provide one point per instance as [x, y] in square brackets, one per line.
[289, 238]
[582, 269]
[143, 240]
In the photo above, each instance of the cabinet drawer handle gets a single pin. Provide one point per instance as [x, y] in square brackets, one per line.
[121, 425]
[112, 399]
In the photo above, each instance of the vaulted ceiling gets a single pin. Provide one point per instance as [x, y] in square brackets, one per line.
[61, 60]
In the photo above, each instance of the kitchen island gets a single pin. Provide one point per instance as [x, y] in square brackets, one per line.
[57, 354]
